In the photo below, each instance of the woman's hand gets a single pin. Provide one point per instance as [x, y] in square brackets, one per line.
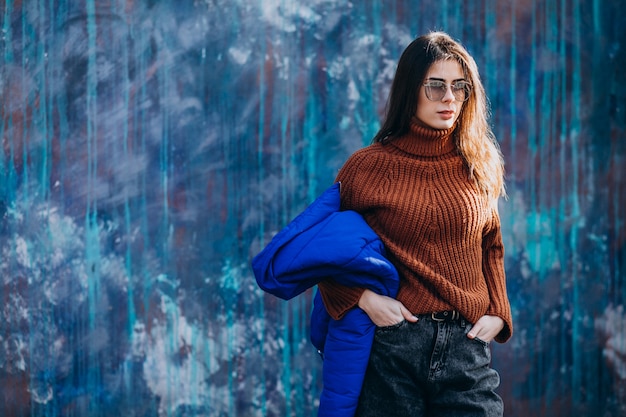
[384, 311]
[486, 328]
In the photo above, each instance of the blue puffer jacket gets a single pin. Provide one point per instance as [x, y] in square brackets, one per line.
[322, 243]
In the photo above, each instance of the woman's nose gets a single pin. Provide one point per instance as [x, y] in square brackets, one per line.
[449, 96]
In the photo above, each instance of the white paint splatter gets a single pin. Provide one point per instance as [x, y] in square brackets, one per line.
[240, 56]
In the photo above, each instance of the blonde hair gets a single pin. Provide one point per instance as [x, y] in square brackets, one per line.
[474, 136]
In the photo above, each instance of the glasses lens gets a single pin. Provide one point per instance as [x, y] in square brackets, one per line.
[436, 90]
[461, 90]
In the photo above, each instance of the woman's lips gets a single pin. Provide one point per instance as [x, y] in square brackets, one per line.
[446, 114]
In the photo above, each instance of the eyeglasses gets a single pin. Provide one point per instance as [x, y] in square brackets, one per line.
[436, 90]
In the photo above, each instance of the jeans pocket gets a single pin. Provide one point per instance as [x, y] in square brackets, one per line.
[391, 327]
[475, 339]
[481, 341]
[484, 347]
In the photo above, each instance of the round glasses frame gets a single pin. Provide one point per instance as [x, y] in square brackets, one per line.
[436, 90]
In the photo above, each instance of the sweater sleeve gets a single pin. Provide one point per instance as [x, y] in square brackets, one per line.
[338, 299]
[355, 167]
[493, 270]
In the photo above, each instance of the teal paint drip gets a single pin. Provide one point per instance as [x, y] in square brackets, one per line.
[286, 358]
[92, 242]
[544, 138]
[490, 67]
[513, 89]
[230, 287]
[164, 160]
[130, 285]
[577, 330]
[310, 139]
[370, 101]
[3, 169]
[444, 10]
[139, 114]
[7, 30]
[562, 208]
[8, 186]
[286, 156]
[91, 226]
[458, 19]
[45, 128]
[297, 342]
[260, 133]
[59, 101]
[25, 107]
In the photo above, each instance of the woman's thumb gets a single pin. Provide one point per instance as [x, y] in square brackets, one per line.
[408, 315]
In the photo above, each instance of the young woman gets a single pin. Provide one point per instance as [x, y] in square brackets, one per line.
[428, 186]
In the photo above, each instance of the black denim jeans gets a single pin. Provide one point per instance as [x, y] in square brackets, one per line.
[429, 369]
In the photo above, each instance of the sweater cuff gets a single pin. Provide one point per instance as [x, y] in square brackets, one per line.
[507, 331]
[338, 299]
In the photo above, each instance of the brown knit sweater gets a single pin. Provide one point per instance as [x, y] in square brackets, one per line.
[442, 235]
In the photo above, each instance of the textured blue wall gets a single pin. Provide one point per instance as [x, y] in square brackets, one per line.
[150, 148]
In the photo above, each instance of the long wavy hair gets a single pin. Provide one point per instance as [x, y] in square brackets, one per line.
[473, 136]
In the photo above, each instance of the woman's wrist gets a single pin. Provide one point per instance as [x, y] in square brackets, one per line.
[363, 302]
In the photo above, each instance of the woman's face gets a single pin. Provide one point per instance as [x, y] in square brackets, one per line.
[443, 112]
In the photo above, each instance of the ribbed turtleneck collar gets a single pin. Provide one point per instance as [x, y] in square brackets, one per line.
[422, 140]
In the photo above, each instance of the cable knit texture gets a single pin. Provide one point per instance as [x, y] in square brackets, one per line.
[440, 232]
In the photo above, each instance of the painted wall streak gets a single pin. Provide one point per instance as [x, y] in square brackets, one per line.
[151, 148]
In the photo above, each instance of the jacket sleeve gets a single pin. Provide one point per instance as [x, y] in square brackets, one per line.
[338, 298]
[493, 270]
